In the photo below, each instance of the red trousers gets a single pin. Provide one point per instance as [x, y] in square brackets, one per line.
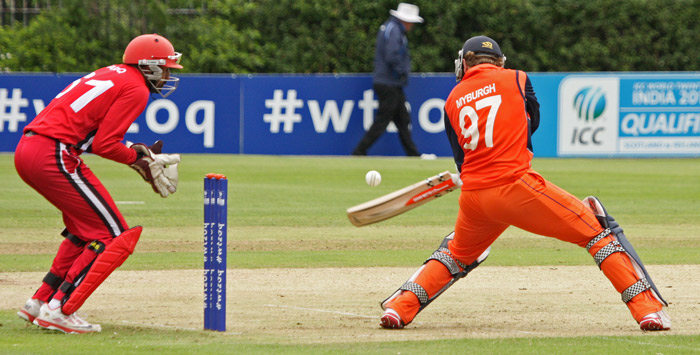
[57, 172]
[533, 204]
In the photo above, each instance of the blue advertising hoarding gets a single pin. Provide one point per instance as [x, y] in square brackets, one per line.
[622, 114]
[202, 115]
[328, 115]
[199, 116]
[591, 114]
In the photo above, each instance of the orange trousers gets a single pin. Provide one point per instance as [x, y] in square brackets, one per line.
[537, 206]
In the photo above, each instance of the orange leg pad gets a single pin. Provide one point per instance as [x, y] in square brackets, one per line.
[618, 268]
[433, 278]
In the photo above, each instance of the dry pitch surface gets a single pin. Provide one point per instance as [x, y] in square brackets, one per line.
[331, 305]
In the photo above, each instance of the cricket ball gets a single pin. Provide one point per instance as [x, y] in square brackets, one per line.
[373, 178]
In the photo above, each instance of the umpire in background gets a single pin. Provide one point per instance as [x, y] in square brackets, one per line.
[392, 64]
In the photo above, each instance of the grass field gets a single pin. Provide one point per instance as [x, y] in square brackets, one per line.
[302, 279]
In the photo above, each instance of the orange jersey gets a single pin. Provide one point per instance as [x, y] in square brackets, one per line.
[489, 120]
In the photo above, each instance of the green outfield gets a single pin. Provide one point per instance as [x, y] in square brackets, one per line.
[288, 213]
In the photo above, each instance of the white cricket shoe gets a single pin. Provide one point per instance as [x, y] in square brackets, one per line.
[655, 321]
[391, 320]
[30, 310]
[55, 319]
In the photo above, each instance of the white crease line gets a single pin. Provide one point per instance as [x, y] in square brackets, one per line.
[157, 325]
[172, 327]
[323, 311]
[526, 332]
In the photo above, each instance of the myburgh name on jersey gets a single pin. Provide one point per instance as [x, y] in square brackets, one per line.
[94, 112]
[489, 125]
[488, 89]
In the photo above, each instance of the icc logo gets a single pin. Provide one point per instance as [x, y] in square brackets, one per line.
[588, 115]
[589, 105]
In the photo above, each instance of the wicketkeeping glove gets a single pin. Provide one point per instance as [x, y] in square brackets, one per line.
[160, 170]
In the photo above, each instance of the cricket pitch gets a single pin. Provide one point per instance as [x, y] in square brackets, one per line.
[336, 305]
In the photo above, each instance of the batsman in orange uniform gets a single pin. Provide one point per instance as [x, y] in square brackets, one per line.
[489, 117]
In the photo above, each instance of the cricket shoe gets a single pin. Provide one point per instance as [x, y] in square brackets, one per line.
[30, 310]
[391, 320]
[54, 319]
[655, 321]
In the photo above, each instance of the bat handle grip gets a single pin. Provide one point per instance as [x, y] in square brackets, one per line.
[456, 180]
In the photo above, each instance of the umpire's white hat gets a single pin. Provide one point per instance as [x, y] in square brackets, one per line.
[407, 13]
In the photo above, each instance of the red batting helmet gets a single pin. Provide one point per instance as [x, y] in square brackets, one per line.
[152, 49]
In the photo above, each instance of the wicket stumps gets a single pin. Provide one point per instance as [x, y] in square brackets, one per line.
[215, 224]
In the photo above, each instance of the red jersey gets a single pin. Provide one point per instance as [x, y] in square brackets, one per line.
[489, 121]
[94, 112]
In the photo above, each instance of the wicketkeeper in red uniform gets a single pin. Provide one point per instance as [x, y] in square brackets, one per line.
[489, 117]
[92, 115]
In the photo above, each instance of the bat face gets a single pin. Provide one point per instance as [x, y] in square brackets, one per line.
[402, 200]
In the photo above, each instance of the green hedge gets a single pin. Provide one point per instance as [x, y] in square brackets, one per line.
[337, 36]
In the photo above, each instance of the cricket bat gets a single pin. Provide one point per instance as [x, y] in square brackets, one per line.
[402, 200]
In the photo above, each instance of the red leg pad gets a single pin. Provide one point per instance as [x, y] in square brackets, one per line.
[111, 258]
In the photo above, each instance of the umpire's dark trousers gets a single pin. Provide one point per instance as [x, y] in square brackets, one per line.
[392, 107]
